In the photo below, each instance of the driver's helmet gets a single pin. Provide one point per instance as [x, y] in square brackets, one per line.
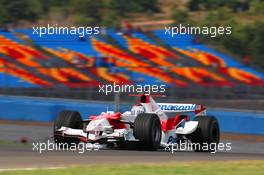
[137, 109]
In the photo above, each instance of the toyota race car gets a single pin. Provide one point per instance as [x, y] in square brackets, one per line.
[146, 126]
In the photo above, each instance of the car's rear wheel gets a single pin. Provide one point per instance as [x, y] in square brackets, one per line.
[71, 119]
[207, 135]
[147, 129]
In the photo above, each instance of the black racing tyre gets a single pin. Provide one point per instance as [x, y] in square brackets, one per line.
[71, 119]
[207, 133]
[147, 129]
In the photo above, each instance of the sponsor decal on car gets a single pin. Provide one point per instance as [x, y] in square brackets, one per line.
[174, 107]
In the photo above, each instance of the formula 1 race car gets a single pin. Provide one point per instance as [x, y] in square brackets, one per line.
[146, 126]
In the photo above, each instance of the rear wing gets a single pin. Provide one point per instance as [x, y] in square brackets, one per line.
[177, 107]
[183, 107]
[152, 106]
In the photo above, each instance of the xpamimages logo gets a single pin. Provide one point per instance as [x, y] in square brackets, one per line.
[127, 88]
[211, 31]
[65, 30]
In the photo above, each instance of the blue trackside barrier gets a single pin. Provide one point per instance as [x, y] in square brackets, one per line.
[44, 110]
[243, 122]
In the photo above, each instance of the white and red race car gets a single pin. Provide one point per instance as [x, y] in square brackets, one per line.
[147, 126]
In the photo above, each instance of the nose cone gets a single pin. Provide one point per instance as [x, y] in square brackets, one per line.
[93, 125]
[97, 125]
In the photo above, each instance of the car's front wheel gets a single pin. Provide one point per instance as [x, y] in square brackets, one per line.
[71, 119]
[147, 129]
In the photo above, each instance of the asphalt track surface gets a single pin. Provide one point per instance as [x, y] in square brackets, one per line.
[16, 156]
